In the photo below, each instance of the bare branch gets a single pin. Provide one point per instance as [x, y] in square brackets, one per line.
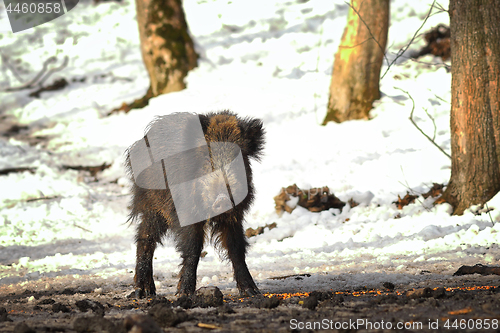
[489, 213]
[440, 98]
[440, 8]
[409, 189]
[403, 50]
[43, 198]
[53, 70]
[400, 53]
[31, 83]
[84, 229]
[43, 75]
[356, 45]
[448, 67]
[5, 60]
[433, 123]
[415, 124]
[369, 31]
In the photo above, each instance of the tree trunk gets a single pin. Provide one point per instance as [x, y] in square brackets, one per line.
[356, 69]
[475, 96]
[167, 49]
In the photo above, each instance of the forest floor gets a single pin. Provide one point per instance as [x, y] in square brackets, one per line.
[468, 304]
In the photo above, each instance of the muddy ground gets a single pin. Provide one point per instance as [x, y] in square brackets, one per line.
[445, 305]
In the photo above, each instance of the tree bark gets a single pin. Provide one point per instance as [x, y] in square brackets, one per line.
[356, 69]
[475, 96]
[167, 49]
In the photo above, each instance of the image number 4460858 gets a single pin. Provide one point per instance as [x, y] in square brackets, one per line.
[26, 14]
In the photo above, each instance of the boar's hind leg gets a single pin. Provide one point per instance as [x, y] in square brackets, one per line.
[232, 238]
[149, 234]
[189, 242]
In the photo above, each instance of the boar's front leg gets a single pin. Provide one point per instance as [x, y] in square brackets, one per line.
[233, 239]
[189, 242]
[149, 234]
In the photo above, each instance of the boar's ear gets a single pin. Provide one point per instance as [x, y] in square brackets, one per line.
[253, 133]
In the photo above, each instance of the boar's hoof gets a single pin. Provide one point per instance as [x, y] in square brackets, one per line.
[251, 291]
[141, 293]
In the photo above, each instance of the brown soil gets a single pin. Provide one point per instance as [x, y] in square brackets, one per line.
[433, 304]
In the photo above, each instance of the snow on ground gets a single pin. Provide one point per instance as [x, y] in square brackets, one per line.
[266, 59]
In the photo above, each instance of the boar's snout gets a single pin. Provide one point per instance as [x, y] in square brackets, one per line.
[221, 204]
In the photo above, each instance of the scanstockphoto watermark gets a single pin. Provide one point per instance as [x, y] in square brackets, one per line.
[327, 324]
[26, 14]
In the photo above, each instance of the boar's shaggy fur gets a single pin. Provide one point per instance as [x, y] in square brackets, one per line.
[156, 211]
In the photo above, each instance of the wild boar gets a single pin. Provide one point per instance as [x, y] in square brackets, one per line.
[192, 179]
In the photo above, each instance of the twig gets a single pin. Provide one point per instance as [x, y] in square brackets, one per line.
[84, 229]
[42, 76]
[31, 83]
[355, 45]
[440, 98]
[489, 213]
[411, 190]
[369, 31]
[403, 50]
[448, 67]
[296, 276]
[415, 124]
[440, 8]
[433, 123]
[53, 70]
[42, 198]
[12, 69]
